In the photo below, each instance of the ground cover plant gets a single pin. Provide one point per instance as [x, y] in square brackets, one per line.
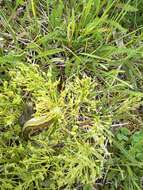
[79, 65]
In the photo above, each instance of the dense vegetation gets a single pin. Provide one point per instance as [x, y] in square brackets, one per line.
[80, 62]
